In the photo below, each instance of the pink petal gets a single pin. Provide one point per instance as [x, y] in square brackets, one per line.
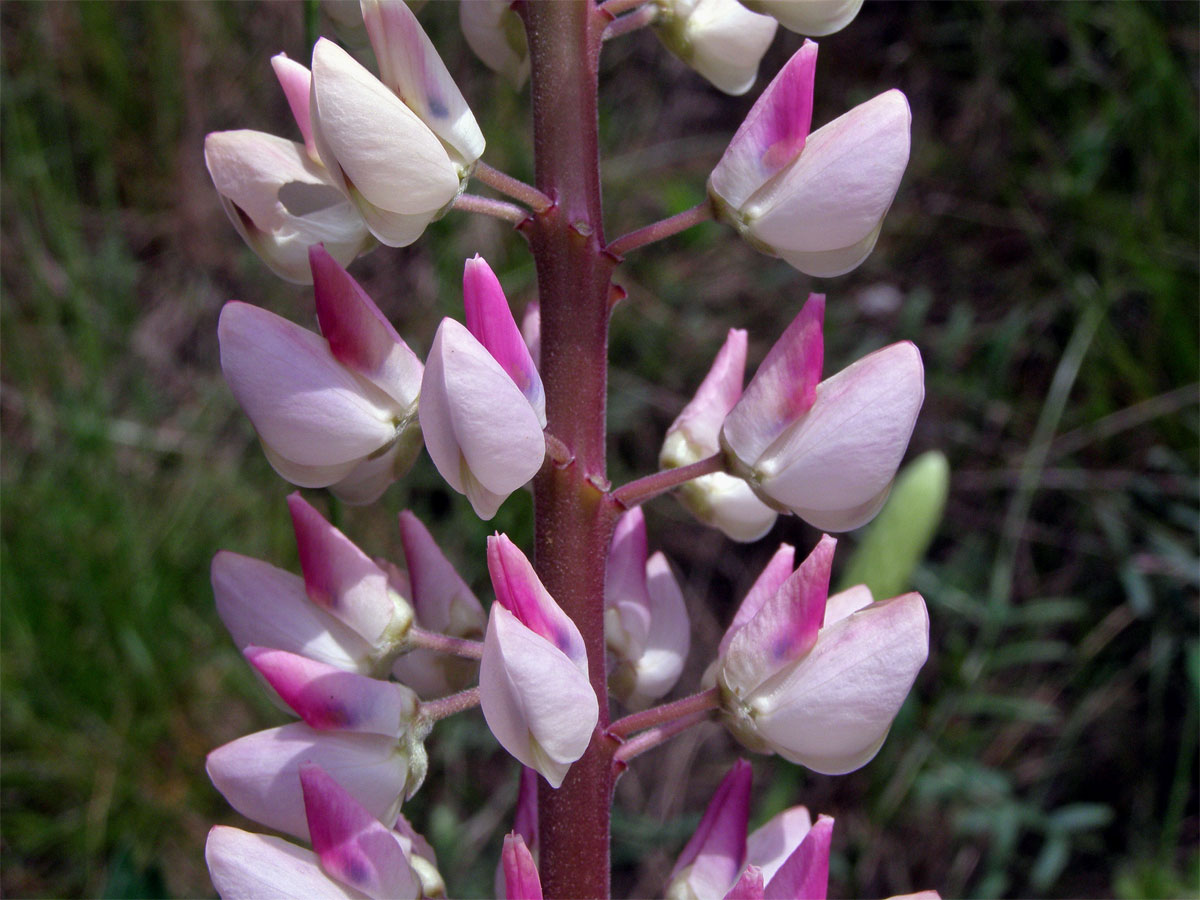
[783, 389]
[669, 639]
[328, 698]
[266, 606]
[833, 710]
[716, 852]
[769, 846]
[304, 404]
[342, 579]
[772, 577]
[443, 601]
[525, 821]
[243, 864]
[410, 66]
[521, 592]
[360, 336]
[353, 845]
[700, 421]
[844, 453]
[773, 132]
[785, 627]
[531, 330]
[536, 701]
[296, 81]
[491, 321]
[749, 886]
[479, 429]
[521, 881]
[625, 586]
[846, 603]
[259, 773]
[805, 875]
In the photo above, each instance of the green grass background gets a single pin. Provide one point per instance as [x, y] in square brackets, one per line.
[1042, 252]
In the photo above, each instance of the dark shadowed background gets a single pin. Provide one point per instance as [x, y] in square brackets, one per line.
[1042, 252]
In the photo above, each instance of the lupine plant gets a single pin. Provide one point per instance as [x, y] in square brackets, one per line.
[587, 629]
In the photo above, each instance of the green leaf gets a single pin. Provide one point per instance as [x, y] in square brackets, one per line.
[896, 541]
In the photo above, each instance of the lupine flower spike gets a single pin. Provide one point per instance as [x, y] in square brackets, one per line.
[533, 678]
[825, 450]
[815, 200]
[818, 680]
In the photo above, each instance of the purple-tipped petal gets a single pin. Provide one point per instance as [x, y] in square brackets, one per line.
[805, 875]
[360, 336]
[700, 422]
[785, 627]
[265, 606]
[479, 429]
[330, 699]
[773, 132]
[537, 702]
[833, 710]
[443, 601]
[521, 881]
[304, 404]
[296, 81]
[259, 773]
[243, 864]
[410, 66]
[769, 846]
[521, 592]
[782, 390]
[491, 321]
[844, 453]
[716, 852]
[749, 886]
[772, 577]
[342, 579]
[353, 846]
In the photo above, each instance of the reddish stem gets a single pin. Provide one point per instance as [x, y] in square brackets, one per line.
[664, 228]
[648, 740]
[668, 712]
[444, 643]
[512, 187]
[499, 209]
[573, 523]
[638, 492]
[433, 710]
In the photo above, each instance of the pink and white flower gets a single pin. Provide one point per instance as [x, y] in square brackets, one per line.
[815, 200]
[338, 410]
[720, 39]
[721, 500]
[825, 450]
[533, 679]
[817, 679]
[401, 146]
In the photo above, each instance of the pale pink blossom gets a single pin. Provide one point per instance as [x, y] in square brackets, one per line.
[815, 200]
[825, 450]
[711, 860]
[533, 678]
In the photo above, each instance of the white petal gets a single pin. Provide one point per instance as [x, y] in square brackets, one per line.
[535, 700]
[846, 449]
[833, 710]
[841, 185]
[243, 864]
[268, 607]
[260, 774]
[815, 18]
[669, 639]
[304, 403]
[728, 503]
[475, 420]
[383, 148]
[720, 39]
[494, 36]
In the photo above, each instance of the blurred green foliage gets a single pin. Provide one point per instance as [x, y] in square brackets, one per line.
[1042, 253]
